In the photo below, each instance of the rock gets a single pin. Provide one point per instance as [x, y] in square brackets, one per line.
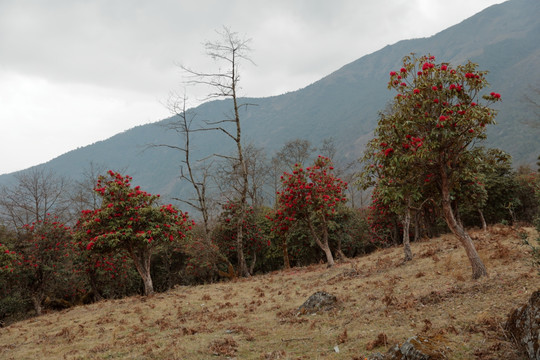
[524, 326]
[376, 356]
[415, 348]
[320, 301]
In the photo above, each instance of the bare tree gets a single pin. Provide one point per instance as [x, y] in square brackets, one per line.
[293, 152]
[197, 176]
[229, 176]
[35, 194]
[230, 50]
[83, 195]
[328, 148]
[297, 151]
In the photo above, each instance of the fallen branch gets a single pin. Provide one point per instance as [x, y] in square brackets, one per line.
[297, 339]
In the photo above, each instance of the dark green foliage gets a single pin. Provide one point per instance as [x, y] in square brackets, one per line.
[254, 241]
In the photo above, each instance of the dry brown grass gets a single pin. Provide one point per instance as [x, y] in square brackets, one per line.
[381, 302]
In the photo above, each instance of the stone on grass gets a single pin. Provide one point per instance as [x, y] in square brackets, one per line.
[320, 301]
[523, 324]
[415, 348]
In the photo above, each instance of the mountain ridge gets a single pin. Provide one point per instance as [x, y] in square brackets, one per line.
[345, 103]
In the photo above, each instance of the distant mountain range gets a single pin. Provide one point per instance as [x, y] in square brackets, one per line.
[504, 39]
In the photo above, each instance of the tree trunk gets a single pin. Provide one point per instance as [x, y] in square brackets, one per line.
[37, 299]
[242, 265]
[457, 215]
[417, 226]
[339, 251]
[478, 267]
[323, 243]
[93, 285]
[253, 261]
[147, 281]
[142, 264]
[406, 239]
[483, 219]
[286, 262]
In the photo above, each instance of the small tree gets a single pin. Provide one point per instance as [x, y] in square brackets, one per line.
[444, 110]
[311, 195]
[35, 194]
[197, 176]
[230, 51]
[44, 265]
[130, 220]
[225, 233]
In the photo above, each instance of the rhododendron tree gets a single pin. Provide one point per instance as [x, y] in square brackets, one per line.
[428, 136]
[7, 258]
[130, 220]
[42, 261]
[311, 195]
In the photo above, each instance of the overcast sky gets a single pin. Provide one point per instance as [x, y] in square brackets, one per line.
[73, 72]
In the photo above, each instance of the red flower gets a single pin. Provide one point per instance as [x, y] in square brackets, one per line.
[416, 91]
[434, 88]
[403, 70]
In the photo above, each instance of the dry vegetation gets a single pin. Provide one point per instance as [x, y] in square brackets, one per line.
[381, 302]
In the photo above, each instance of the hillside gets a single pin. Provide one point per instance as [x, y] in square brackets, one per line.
[256, 318]
[344, 105]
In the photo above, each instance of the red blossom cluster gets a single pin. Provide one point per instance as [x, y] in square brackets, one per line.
[127, 215]
[315, 190]
[414, 142]
[427, 65]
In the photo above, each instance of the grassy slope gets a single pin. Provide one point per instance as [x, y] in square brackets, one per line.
[255, 318]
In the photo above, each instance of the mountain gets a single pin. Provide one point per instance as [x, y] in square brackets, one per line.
[345, 104]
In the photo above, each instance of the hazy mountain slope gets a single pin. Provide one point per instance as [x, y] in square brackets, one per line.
[344, 105]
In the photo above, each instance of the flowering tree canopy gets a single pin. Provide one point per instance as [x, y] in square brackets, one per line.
[311, 195]
[7, 257]
[427, 137]
[130, 220]
[42, 260]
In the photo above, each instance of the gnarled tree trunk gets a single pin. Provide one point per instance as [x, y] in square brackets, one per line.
[142, 264]
[478, 267]
[322, 242]
[286, 262]
[406, 238]
[37, 299]
[483, 219]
